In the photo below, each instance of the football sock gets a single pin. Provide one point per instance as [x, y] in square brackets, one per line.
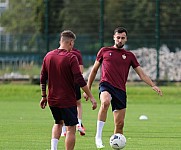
[100, 125]
[54, 143]
[63, 129]
[80, 122]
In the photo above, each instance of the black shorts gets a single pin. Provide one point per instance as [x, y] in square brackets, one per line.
[68, 115]
[78, 92]
[118, 96]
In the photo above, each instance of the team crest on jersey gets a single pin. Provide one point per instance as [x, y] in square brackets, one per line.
[110, 54]
[124, 56]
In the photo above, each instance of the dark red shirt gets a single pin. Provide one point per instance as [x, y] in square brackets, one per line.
[78, 54]
[115, 65]
[61, 69]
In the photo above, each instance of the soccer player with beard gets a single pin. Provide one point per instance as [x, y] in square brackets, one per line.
[116, 62]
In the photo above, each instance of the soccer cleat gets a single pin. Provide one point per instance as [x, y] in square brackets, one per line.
[81, 130]
[82, 133]
[99, 144]
[63, 134]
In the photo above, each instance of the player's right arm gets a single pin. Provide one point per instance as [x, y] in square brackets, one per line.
[89, 94]
[93, 73]
[81, 68]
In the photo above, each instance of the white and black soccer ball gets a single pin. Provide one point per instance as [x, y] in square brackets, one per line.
[117, 141]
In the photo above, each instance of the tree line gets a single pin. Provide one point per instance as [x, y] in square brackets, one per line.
[83, 17]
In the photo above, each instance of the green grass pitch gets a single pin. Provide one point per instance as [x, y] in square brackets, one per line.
[25, 126]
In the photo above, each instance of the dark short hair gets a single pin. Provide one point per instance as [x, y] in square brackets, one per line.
[68, 34]
[120, 30]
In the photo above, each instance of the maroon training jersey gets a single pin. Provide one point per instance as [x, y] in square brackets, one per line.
[115, 65]
[78, 54]
[61, 69]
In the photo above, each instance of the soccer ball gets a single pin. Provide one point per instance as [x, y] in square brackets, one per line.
[117, 141]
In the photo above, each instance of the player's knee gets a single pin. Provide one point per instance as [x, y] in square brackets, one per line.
[105, 104]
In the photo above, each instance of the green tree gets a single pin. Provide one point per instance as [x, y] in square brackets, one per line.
[55, 18]
[170, 30]
[139, 18]
[136, 16]
[21, 16]
[28, 16]
[81, 16]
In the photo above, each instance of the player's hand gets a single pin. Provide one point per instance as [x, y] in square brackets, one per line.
[43, 102]
[85, 96]
[94, 103]
[157, 89]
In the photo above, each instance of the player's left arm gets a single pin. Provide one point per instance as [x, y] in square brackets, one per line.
[143, 76]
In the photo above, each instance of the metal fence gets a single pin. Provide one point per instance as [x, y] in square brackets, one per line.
[150, 24]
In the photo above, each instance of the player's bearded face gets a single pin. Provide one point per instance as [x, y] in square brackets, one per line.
[119, 45]
[120, 39]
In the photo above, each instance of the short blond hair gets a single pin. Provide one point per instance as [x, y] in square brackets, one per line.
[68, 34]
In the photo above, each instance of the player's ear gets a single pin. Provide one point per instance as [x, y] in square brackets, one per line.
[126, 39]
[72, 43]
[113, 37]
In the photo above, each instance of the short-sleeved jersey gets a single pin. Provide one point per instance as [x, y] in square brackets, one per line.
[115, 65]
[61, 69]
[77, 53]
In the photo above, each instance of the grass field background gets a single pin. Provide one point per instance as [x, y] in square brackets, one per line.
[25, 126]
